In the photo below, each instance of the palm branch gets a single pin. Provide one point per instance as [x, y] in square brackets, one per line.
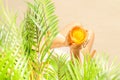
[39, 30]
[12, 64]
[25, 50]
[17, 42]
[92, 69]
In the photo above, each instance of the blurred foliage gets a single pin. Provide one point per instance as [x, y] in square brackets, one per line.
[25, 50]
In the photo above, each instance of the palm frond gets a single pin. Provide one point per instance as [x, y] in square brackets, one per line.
[92, 69]
[10, 47]
[25, 50]
[108, 71]
[57, 68]
[39, 29]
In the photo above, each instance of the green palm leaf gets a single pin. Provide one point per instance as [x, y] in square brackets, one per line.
[57, 68]
[39, 29]
[10, 48]
[25, 50]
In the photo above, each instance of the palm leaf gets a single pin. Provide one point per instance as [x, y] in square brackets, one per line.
[10, 47]
[25, 50]
[39, 30]
[57, 68]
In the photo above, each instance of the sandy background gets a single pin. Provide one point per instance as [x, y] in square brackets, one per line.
[103, 16]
